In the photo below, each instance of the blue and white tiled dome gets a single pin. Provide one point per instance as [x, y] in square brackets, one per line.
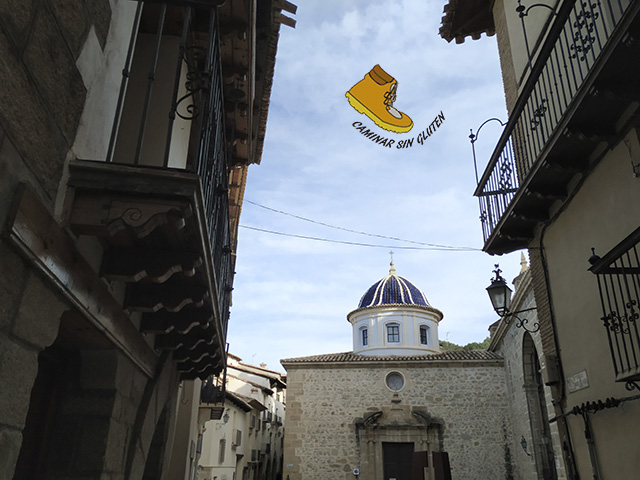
[394, 317]
[393, 290]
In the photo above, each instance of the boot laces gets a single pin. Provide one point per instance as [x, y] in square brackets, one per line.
[389, 98]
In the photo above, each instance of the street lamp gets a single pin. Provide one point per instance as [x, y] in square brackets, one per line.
[500, 296]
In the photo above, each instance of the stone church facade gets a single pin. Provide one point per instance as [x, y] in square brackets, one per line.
[398, 408]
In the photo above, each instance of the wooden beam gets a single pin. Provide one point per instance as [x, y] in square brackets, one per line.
[182, 322]
[196, 336]
[191, 373]
[134, 264]
[195, 354]
[201, 367]
[51, 250]
[105, 214]
[289, 22]
[288, 6]
[172, 296]
[165, 186]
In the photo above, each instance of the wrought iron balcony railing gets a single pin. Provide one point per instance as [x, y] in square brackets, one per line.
[618, 274]
[566, 63]
[170, 113]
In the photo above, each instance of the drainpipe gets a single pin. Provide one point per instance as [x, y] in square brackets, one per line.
[568, 444]
[591, 446]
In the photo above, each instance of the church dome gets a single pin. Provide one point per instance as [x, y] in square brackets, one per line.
[393, 290]
[394, 317]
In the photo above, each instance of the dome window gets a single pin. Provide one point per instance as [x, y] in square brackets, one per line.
[364, 336]
[393, 333]
[425, 335]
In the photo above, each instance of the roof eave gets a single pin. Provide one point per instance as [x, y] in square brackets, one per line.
[467, 18]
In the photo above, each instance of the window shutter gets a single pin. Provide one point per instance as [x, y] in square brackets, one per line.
[223, 444]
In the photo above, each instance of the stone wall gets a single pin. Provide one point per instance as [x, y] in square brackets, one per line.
[510, 345]
[325, 401]
[101, 411]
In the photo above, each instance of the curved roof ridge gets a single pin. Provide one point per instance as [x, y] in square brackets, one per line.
[404, 282]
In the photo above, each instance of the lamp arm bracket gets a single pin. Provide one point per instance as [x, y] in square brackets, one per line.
[520, 311]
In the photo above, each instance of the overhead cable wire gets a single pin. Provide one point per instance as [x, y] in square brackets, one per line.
[305, 237]
[434, 246]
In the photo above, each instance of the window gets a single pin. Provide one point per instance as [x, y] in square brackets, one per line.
[236, 437]
[618, 279]
[393, 333]
[395, 381]
[364, 336]
[223, 444]
[424, 335]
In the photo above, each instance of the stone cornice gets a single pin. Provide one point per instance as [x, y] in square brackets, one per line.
[397, 307]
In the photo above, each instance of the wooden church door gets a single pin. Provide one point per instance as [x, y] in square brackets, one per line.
[397, 460]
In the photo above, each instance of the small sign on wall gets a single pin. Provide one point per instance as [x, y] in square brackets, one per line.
[578, 381]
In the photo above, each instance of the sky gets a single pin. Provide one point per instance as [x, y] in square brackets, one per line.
[292, 295]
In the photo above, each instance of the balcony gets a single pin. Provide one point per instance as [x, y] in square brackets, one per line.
[580, 97]
[165, 202]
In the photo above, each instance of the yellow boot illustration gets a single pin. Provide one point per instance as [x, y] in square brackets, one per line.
[374, 96]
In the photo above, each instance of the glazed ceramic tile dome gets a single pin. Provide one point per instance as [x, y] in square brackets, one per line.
[393, 290]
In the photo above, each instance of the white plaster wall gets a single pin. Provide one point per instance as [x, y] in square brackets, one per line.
[408, 318]
[602, 213]
[102, 75]
[160, 102]
[535, 23]
[103, 80]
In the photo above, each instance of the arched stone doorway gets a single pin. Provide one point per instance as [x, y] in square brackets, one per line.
[538, 414]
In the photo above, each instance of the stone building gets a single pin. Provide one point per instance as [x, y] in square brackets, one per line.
[537, 449]
[563, 179]
[126, 131]
[397, 407]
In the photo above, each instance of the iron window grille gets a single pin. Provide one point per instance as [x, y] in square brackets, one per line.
[618, 275]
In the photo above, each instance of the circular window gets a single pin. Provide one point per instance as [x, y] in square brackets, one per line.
[395, 381]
